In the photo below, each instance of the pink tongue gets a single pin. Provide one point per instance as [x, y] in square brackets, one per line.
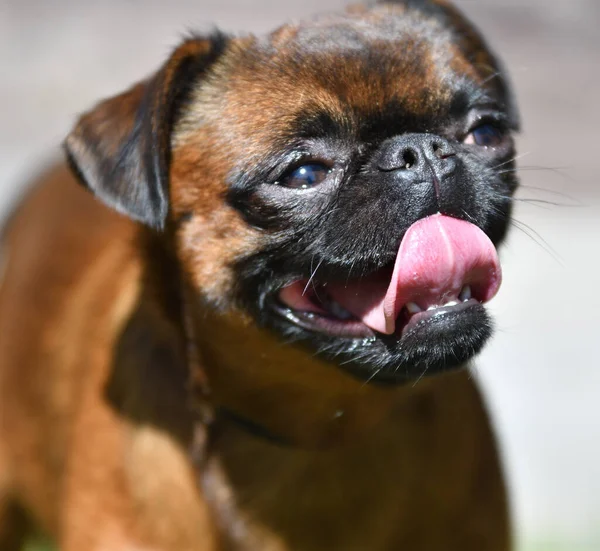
[438, 256]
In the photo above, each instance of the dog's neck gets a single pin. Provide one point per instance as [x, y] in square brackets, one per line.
[284, 390]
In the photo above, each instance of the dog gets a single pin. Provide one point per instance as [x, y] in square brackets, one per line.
[250, 334]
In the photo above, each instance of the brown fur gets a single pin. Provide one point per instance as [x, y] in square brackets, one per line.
[101, 440]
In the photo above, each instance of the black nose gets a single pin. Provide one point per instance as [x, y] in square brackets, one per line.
[418, 157]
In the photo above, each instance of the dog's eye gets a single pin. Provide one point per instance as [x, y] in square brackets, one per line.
[486, 135]
[305, 176]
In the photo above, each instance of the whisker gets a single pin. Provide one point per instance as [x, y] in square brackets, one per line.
[531, 233]
[312, 275]
[538, 239]
[491, 77]
[526, 168]
[541, 202]
[468, 215]
[353, 359]
[517, 157]
[537, 202]
[551, 192]
[420, 376]
[350, 271]
[373, 375]
[559, 171]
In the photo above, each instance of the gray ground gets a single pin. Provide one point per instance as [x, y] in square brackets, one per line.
[57, 57]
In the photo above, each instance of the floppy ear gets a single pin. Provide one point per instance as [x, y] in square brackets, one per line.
[121, 148]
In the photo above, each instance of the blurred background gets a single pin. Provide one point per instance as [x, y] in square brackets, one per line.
[541, 374]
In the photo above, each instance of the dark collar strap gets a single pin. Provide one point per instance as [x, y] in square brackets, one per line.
[251, 427]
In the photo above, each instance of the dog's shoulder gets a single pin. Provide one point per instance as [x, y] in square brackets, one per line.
[67, 257]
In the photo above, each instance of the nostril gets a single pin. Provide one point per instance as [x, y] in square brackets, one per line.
[415, 153]
[442, 152]
[409, 158]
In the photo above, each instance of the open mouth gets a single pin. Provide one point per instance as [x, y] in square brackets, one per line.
[444, 266]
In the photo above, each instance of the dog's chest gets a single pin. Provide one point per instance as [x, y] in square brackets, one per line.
[301, 505]
[361, 497]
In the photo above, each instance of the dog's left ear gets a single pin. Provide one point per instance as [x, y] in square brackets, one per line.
[121, 149]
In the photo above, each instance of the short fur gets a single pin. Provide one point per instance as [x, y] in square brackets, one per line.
[152, 394]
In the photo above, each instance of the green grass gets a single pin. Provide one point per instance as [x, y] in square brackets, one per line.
[39, 544]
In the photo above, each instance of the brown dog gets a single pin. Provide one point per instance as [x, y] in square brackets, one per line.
[237, 363]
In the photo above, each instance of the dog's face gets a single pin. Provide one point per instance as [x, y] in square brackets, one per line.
[342, 182]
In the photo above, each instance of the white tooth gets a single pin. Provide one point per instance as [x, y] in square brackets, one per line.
[451, 303]
[432, 307]
[413, 308]
[465, 294]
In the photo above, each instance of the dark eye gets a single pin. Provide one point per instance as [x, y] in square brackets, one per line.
[486, 135]
[306, 176]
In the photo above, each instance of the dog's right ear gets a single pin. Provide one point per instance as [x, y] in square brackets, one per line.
[121, 149]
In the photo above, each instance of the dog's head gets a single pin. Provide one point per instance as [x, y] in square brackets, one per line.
[342, 182]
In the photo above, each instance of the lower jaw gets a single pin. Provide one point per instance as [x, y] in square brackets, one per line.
[423, 317]
[354, 329]
[431, 345]
[439, 344]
